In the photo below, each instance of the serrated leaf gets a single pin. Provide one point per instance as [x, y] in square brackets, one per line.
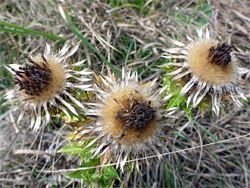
[111, 172]
[88, 175]
[76, 174]
[78, 148]
[73, 148]
[91, 162]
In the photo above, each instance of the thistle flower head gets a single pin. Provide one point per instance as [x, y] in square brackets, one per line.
[129, 119]
[43, 81]
[208, 69]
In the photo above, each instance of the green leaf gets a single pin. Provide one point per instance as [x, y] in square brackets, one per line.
[106, 179]
[179, 134]
[188, 111]
[167, 176]
[111, 172]
[78, 148]
[53, 186]
[88, 175]
[73, 148]
[21, 30]
[77, 174]
[189, 19]
[122, 185]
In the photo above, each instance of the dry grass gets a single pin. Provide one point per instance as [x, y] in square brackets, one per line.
[136, 37]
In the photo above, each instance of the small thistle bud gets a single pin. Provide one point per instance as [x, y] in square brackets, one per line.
[208, 69]
[43, 81]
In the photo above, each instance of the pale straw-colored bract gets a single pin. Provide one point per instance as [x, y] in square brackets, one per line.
[203, 78]
[118, 135]
[44, 82]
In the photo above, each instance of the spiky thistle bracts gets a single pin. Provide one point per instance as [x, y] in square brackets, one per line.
[44, 81]
[128, 118]
[207, 68]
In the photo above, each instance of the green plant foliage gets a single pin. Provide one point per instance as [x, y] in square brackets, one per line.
[77, 148]
[174, 89]
[167, 175]
[207, 10]
[53, 186]
[24, 31]
[90, 176]
[93, 176]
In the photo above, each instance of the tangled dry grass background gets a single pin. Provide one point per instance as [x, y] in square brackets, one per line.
[137, 38]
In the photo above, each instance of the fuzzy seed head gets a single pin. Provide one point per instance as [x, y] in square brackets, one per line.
[40, 79]
[209, 67]
[43, 83]
[129, 116]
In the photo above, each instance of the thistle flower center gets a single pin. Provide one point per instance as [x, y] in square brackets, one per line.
[220, 55]
[129, 116]
[33, 78]
[137, 115]
[134, 114]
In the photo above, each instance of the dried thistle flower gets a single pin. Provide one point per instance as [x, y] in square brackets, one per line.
[207, 68]
[129, 120]
[43, 82]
